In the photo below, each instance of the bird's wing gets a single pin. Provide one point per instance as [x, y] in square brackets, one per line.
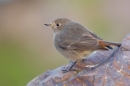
[94, 35]
[86, 42]
[78, 37]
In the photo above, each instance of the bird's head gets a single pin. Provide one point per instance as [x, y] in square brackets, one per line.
[58, 24]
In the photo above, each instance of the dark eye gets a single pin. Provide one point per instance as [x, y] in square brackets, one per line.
[57, 24]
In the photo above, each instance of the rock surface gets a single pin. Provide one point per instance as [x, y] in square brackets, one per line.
[115, 72]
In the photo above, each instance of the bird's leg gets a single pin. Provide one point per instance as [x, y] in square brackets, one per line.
[71, 64]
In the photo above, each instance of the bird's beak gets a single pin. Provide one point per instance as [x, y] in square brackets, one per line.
[47, 24]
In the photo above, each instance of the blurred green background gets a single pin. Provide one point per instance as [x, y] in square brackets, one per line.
[26, 45]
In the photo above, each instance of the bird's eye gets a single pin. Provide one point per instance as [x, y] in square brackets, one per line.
[57, 24]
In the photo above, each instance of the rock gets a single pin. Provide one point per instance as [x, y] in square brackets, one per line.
[114, 72]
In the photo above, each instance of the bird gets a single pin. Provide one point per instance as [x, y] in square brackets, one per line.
[76, 42]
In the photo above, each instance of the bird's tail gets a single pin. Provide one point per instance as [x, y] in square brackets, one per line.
[106, 44]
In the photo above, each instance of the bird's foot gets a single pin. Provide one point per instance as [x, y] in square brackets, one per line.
[65, 69]
[69, 67]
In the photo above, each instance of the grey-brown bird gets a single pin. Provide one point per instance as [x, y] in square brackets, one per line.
[75, 42]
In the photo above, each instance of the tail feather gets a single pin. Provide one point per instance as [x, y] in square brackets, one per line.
[106, 44]
[109, 47]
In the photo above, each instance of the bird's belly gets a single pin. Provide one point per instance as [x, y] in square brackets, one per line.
[75, 55]
[71, 54]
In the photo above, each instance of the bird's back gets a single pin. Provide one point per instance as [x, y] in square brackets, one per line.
[73, 31]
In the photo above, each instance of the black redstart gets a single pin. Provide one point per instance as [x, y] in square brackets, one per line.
[75, 42]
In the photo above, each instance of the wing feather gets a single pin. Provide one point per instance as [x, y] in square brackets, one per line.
[75, 36]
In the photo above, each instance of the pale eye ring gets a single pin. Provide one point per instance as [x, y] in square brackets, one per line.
[58, 24]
